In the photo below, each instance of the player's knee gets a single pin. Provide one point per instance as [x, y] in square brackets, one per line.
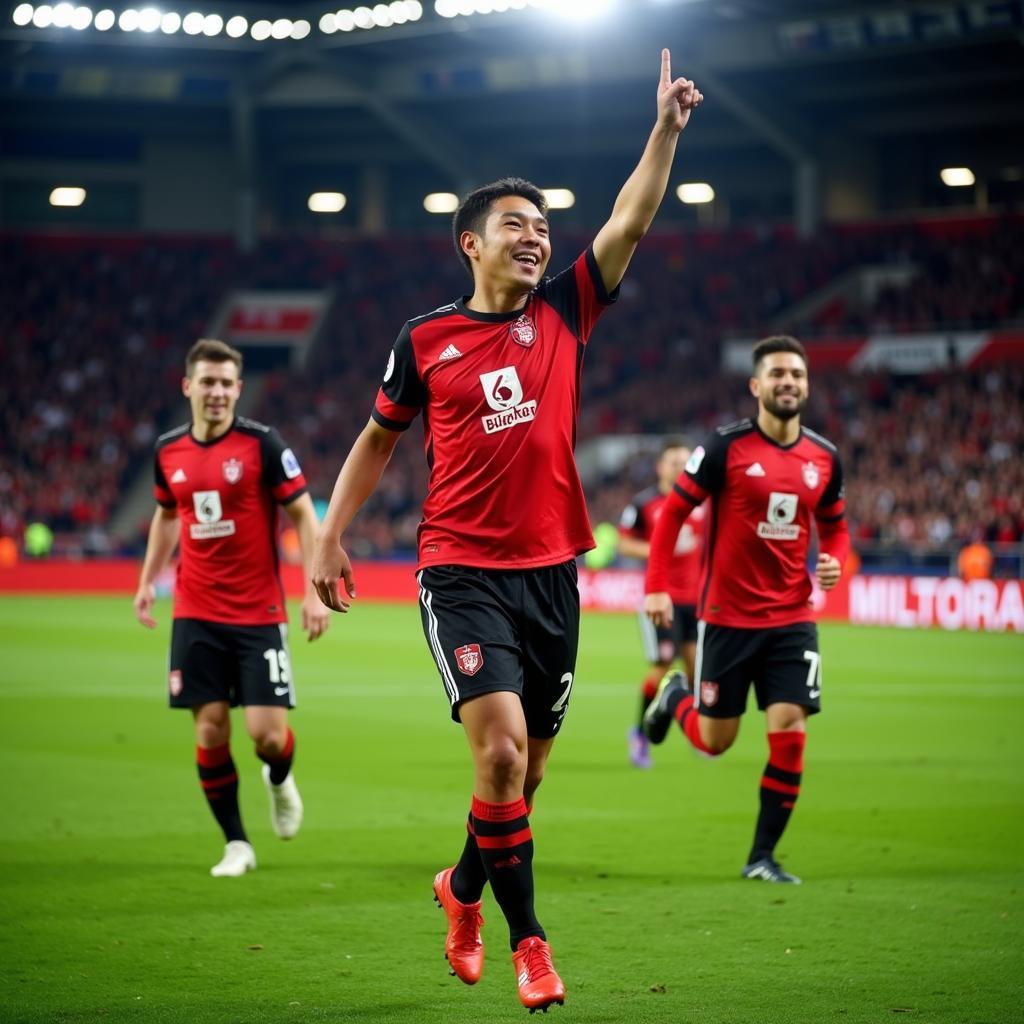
[503, 760]
[270, 741]
[212, 733]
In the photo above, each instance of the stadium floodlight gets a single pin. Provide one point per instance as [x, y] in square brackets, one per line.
[170, 23]
[577, 10]
[22, 15]
[363, 16]
[192, 23]
[695, 193]
[281, 29]
[62, 15]
[345, 20]
[104, 20]
[42, 16]
[213, 24]
[128, 21]
[382, 16]
[465, 7]
[236, 27]
[957, 177]
[441, 202]
[413, 9]
[300, 29]
[67, 195]
[81, 19]
[260, 30]
[149, 19]
[327, 202]
[399, 15]
[328, 23]
[559, 198]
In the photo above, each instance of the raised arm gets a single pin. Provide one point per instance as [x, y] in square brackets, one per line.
[641, 195]
[356, 482]
[164, 530]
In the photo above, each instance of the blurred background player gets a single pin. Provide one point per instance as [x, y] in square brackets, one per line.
[221, 477]
[766, 479]
[664, 644]
[496, 376]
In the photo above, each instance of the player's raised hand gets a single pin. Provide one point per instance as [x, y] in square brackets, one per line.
[828, 570]
[143, 602]
[331, 564]
[315, 617]
[658, 608]
[676, 98]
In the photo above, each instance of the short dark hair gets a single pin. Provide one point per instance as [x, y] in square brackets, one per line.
[474, 208]
[777, 343]
[675, 441]
[211, 350]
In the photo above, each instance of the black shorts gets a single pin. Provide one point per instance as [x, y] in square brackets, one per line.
[518, 630]
[661, 645]
[212, 661]
[783, 664]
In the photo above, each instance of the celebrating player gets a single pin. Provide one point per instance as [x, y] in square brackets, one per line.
[765, 478]
[663, 644]
[221, 477]
[496, 376]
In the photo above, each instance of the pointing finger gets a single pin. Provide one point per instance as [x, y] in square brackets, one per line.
[666, 67]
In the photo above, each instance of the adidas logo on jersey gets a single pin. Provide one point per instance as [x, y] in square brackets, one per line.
[451, 352]
[178, 477]
[756, 470]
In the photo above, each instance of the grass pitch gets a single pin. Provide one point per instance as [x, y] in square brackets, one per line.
[909, 835]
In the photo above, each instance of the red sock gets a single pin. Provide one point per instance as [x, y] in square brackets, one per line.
[780, 787]
[689, 721]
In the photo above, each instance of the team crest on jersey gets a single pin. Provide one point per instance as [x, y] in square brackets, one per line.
[523, 331]
[810, 474]
[469, 658]
[233, 469]
[174, 683]
[708, 694]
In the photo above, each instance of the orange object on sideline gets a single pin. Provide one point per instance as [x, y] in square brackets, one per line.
[975, 562]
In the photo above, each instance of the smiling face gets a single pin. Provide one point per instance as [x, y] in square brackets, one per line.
[780, 384]
[514, 247]
[212, 390]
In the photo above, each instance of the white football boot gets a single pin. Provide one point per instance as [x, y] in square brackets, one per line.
[285, 805]
[238, 858]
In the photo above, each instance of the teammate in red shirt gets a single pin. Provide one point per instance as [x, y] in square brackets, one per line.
[219, 481]
[496, 378]
[765, 479]
[663, 644]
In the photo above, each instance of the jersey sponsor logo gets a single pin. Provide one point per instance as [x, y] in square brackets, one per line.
[469, 659]
[810, 475]
[174, 683]
[451, 352]
[233, 469]
[780, 525]
[523, 331]
[209, 513]
[391, 367]
[290, 464]
[708, 694]
[178, 476]
[755, 470]
[504, 393]
[695, 459]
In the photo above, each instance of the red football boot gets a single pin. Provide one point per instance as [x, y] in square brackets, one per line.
[462, 946]
[539, 984]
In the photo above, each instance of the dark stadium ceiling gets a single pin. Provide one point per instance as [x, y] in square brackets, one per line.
[467, 98]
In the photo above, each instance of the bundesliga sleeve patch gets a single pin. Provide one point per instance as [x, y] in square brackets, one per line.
[290, 464]
[695, 459]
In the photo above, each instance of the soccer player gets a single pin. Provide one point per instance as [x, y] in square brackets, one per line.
[765, 478]
[219, 480]
[496, 376]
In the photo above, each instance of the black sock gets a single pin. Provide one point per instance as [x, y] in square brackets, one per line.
[469, 876]
[280, 764]
[780, 786]
[506, 848]
[219, 780]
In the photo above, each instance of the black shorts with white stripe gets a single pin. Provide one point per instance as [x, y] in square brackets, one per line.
[517, 630]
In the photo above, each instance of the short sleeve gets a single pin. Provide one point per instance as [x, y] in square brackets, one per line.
[281, 469]
[704, 472]
[631, 522]
[832, 505]
[402, 394]
[578, 295]
[161, 489]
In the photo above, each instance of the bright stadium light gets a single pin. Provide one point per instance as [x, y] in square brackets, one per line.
[382, 16]
[213, 24]
[81, 19]
[441, 202]
[327, 202]
[129, 20]
[42, 16]
[260, 30]
[577, 10]
[957, 177]
[104, 20]
[695, 192]
[345, 20]
[67, 196]
[300, 29]
[281, 29]
[170, 23]
[413, 9]
[363, 16]
[62, 15]
[328, 23]
[22, 15]
[192, 23]
[237, 27]
[149, 19]
[399, 15]
[559, 198]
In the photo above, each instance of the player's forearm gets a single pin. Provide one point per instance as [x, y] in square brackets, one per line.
[357, 480]
[164, 530]
[674, 513]
[834, 539]
[639, 198]
[303, 517]
[630, 547]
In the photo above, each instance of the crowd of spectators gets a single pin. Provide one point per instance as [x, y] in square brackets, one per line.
[92, 333]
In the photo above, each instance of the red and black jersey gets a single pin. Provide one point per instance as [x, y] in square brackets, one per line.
[226, 493]
[499, 393]
[763, 496]
[638, 520]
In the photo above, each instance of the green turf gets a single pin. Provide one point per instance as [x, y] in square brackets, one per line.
[909, 835]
